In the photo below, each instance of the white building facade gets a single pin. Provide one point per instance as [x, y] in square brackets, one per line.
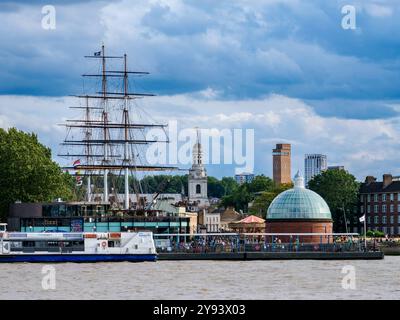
[314, 164]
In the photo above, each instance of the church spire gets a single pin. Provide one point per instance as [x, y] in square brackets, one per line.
[197, 151]
[197, 180]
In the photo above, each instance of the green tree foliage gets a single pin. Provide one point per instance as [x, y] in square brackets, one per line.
[247, 192]
[340, 191]
[261, 183]
[262, 200]
[164, 183]
[215, 187]
[27, 172]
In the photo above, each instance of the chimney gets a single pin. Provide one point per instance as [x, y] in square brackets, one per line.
[370, 179]
[387, 179]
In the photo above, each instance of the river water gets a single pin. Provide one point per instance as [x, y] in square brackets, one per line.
[293, 279]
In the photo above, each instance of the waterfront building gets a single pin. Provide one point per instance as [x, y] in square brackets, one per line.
[209, 221]
[380, 202]
[314, 164]
[197, 180]
[92, 216]
[228, 216]
[299, 210]
[281, 163]
[244, 178]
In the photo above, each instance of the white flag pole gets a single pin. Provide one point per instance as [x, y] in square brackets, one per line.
[365, 232]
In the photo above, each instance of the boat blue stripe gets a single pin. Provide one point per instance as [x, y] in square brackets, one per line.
[78, 258]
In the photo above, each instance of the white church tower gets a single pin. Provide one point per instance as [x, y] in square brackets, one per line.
[198, 177]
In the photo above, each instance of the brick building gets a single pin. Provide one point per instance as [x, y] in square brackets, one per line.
[380, 202]
[281, 163]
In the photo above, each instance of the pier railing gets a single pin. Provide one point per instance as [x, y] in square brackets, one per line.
[235, 242]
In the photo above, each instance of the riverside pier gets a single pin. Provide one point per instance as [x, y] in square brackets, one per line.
[264, 246]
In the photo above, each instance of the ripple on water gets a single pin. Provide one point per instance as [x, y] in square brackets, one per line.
[291, 279]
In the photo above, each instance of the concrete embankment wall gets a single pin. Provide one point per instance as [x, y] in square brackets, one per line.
[273, 256]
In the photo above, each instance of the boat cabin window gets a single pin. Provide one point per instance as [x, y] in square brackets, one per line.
[28, 244]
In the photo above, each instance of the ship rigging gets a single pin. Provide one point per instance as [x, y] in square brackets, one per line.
[111, 138]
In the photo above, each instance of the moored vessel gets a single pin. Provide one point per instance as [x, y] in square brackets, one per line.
[77, 247]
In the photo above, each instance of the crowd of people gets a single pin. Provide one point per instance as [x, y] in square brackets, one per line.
[208, 244]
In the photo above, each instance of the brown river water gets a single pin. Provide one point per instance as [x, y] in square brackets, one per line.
[293, 279]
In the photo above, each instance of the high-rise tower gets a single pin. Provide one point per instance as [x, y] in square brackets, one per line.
[314, 164]
[281, 163]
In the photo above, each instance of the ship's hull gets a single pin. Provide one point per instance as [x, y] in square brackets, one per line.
[84, 258]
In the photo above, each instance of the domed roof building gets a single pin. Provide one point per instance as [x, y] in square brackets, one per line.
[299, 210]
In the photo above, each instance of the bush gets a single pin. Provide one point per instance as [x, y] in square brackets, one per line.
[370, 233]
[377, 234]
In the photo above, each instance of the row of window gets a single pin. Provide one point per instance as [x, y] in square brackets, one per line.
[384, 220]
[212, 228]
[383, 208]
[384, 197]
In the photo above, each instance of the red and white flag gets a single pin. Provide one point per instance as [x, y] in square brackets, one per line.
[76, 162]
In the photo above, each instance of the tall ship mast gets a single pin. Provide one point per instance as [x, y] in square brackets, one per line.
[107, 140]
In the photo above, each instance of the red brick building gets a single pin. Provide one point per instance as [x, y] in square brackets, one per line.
[380, 202]
[281, 163]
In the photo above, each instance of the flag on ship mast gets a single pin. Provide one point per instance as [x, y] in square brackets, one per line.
[76, 162]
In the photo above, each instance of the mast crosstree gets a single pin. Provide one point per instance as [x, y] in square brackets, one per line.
[110, 144]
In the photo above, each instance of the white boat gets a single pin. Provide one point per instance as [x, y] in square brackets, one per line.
[76, 247]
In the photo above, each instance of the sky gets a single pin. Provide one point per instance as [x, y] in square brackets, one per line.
[286, 69]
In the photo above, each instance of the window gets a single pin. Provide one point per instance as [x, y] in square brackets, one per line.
[383, 219]
[198, 188]
[398, 197]
[369, 198]
[368, 208]
[375, 197]
[391, 219]
[391, 208]
[398, 219]
[369, 220]
[376, 219]
[383, 196]
[398, 230]
[398, 208]
[376, 208]
[391, 230]
[362, 198]
[384, 208]
[391, 197]
[362, 209]
[384, 230]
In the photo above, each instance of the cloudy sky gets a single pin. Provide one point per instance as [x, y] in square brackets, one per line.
[285, 68]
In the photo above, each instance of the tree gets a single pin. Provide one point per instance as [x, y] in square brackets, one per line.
[261, 183]
[340, 191]
[215, 188]
[247, 192]
[230, 185]
[263, 200]
[27, 172]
